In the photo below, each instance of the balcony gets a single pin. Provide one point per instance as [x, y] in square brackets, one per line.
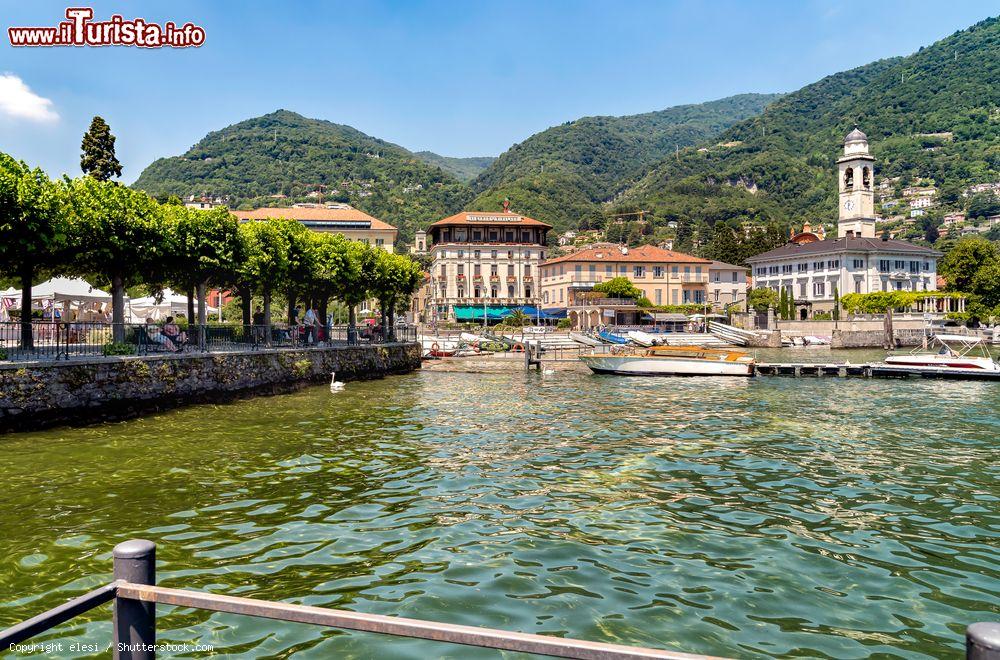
[528, 278]
[494, 278]
[477, 278]
[511, 279]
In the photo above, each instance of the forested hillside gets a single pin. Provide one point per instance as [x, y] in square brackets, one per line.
[463, 169]
[563, 174]
[283, 157]
[933, 115]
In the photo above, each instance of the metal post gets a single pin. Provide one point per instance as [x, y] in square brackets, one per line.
[135, 621]
[982, 641]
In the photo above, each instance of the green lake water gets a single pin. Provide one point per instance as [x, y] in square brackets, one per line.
[813, 517]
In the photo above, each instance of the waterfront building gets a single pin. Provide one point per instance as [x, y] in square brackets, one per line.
[815, 270]
[331, 218]
[665, 277]
[485, 263]
[727, 284]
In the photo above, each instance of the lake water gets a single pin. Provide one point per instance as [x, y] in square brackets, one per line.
[774, 516]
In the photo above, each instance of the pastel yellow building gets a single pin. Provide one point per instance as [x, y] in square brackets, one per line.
[665, 277]
[337, 219]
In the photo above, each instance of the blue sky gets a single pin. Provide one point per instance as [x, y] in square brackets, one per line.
[458, 78]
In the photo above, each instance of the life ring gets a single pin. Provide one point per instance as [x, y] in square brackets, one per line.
[435, 348]
[517, 348]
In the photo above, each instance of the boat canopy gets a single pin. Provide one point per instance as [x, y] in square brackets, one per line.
[964, 339]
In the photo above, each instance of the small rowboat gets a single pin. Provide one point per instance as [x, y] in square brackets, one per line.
[671, 361]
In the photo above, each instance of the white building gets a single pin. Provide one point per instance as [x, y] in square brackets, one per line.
[727, 284]
[813, 270]
[485, 263]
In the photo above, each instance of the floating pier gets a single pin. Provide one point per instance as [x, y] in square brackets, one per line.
[869, 370]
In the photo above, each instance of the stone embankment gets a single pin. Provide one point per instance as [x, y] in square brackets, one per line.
[40, 394]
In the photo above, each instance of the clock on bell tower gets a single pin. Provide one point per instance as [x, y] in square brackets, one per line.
[857, 194]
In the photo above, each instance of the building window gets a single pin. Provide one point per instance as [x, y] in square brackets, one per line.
[657, 271]
[883, 265]
[461, 254]
[527, 270]
[510, 270]
[379, 242]
[477, 292]
[833, 264]
[475, 254]
[699, 296]
[772, 270]
[786, 269]
[545, 297]
[859, 263]
[609, 269]
[716, 295]
[736, 277]
[461, 292]
[639, 271]
[914, 266]
[510, 291]
[802, 289]
[593, 270]
[493, 254]
[802, 268]
[857, 286]
[899, 264]
[716, 276]
[659, 296]
[494, 293]
[493, 270]
[819, 289]
[510, 254]
[477, 270]
[673, 297]
[579, 269]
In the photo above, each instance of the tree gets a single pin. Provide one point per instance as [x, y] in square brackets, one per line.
[98, 158]
[265, 265]
[836, 303]
[762, 299]
[395, 277]
[120, 234]
[783, 304]
[32, 229]
[204, 250]
[354, 282]
[960, 265]
[619, 287]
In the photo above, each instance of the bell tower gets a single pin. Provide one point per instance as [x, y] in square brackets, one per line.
[856, 173]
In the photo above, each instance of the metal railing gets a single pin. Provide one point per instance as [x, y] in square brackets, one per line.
[57, 340]
[135, 596]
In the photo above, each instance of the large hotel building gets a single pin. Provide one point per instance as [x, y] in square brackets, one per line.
[484, 263]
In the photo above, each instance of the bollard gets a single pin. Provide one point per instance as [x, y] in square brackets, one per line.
[982, 641]
[135, 621]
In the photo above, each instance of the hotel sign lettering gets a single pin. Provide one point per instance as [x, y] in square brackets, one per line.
[493, 218]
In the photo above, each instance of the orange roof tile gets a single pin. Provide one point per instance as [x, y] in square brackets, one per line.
[489, 217]
[313, 215]
[642, 254]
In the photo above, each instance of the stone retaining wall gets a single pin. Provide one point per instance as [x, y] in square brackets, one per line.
[873, 338]
[36, 395]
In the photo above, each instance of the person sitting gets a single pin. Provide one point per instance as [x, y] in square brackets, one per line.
[174, 334]
[156, 336]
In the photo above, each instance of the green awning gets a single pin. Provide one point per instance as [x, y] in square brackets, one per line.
[475, 312]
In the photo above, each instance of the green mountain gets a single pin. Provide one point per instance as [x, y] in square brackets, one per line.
[255, 162]
[463, 169]
[563, 174]
[933, 115]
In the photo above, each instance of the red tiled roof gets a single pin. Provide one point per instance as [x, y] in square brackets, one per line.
[489, 217]
[642, 254]
[313, 215]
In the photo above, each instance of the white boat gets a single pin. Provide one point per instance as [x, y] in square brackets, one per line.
[470, 338]
[587, 340]
[953, 352]
[671, 361]
[438, 347]
[814, 340]
[642, 338]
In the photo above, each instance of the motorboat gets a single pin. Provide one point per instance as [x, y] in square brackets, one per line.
[643, 338]
[585, 339]
[951, 352]
[671, 361]
[612, 338]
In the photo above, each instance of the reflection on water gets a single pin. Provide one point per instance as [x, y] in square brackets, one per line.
[817, 517]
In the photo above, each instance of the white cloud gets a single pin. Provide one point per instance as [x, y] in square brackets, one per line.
[19, 102]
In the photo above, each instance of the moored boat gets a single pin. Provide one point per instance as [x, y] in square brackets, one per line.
[672, 361]
[953, 352]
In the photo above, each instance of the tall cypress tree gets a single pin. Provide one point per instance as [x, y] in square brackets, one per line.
[98, 158]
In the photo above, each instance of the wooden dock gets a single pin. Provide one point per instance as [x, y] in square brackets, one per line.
[869, 370]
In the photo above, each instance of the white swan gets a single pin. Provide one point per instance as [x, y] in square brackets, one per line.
[334, 385]
[548, 372]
